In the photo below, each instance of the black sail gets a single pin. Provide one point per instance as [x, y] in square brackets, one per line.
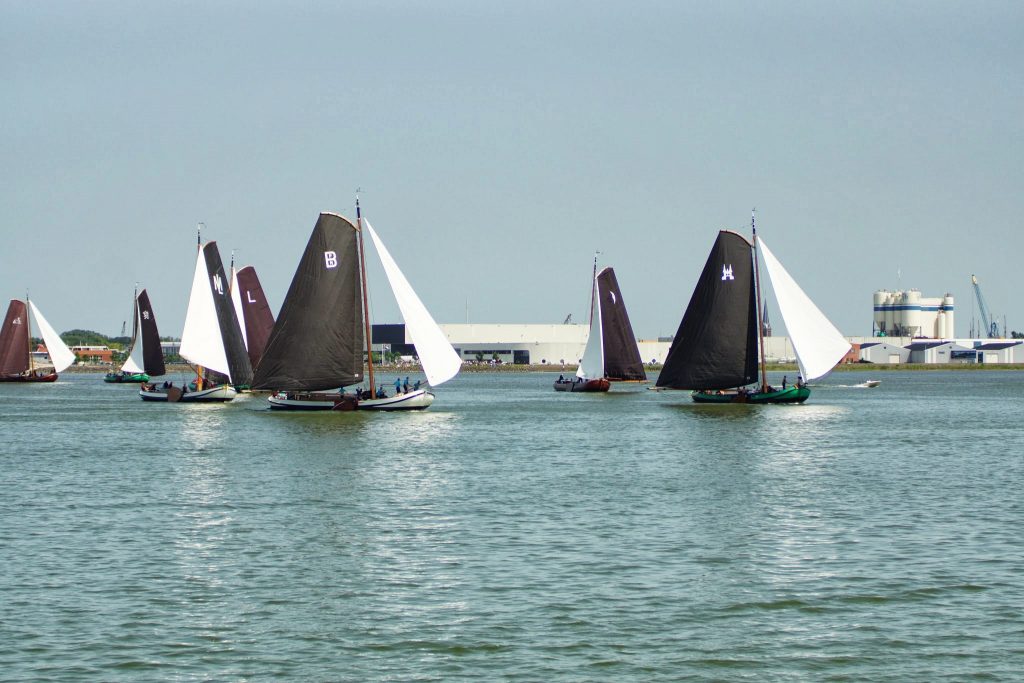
[621, 355]
[258, 318]
[152, 354]
[716, 344]
[230, 330]
[317, 341]
[14, 342]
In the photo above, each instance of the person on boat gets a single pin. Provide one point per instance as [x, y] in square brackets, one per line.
[416, 387]
[381, 393]
[561, 379]
[783, 382]
[405, 387]
[398, 386]
[799, 381]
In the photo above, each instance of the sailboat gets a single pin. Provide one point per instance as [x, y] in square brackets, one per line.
[16, 361]
[611, 353]
[211, 339]
[252, 310]
[715, 351]
[316, 347]
[145, 357]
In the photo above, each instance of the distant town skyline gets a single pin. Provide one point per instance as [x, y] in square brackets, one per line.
[499, 147]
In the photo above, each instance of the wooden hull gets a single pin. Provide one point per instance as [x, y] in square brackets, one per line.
[787, 395]
[587, 385]
[125, 378]
[219, 394]
[49, 377]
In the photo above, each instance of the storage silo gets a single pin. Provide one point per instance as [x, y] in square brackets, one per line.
[940, 324]
[912, 313]
[879, 310]
[947, 305]
[889, 318]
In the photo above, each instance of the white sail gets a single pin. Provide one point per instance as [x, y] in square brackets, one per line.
[134, 362]
[60, 355]
[236, 301]
[592, 364]
[201, 342]
[818, 344]
[438, 358]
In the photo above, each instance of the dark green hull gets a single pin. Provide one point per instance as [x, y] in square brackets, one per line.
[126, 378]
[787, 395]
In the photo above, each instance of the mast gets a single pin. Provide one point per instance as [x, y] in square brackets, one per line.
[199, 249]
[135, 325]
[28, 331]
[757, 285]
[593, 286]
[366, 306]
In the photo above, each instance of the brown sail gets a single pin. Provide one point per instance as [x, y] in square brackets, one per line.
[14, 340]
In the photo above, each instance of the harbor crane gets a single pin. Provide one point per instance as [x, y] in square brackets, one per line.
[991, 328]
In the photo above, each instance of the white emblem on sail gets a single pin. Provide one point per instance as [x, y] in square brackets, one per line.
[331, 259]
[727, 272]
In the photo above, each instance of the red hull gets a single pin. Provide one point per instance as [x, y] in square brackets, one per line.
[590, 385]
[52, 377]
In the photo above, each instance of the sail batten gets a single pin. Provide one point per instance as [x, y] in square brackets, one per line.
[818, 345]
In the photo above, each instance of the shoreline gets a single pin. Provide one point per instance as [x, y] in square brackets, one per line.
[567, 368]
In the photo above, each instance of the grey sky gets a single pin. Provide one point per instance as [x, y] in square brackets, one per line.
[500, 145]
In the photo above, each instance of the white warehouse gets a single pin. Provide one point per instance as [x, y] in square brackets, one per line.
[908, 314]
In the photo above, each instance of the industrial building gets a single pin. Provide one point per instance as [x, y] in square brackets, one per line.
[520, 344]
[1001, 352]
[908, 314]
[884, 353]
[941, 352]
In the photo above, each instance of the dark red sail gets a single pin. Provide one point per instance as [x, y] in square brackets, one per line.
[14, 341]
[256, 313]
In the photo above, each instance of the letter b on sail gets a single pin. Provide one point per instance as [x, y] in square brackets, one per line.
[331, 259]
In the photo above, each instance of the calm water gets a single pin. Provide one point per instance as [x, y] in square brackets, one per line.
[512, 533]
